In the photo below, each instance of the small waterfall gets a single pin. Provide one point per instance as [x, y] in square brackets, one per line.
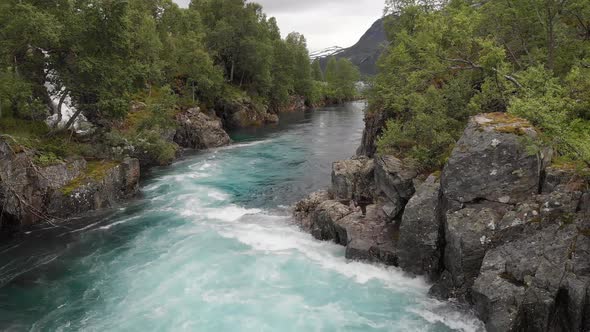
[68, 109]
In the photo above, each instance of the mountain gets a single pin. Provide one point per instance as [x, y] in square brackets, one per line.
[330, 51]
[364, 54]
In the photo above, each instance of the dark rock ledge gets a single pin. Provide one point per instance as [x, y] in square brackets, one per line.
[500, 230]
[32, 194]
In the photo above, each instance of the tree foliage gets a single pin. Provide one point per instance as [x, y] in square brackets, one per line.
[448, 60]
[341, 77]
[105, 53]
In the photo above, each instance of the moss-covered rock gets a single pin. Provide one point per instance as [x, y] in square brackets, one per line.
[31, 194]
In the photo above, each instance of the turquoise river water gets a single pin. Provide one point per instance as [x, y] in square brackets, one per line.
[210, 246]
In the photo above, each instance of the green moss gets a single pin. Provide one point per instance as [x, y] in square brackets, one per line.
[47, 159]
[507, 124]
[516, 130]
[506, 118]
[95, 171]
[73, 185]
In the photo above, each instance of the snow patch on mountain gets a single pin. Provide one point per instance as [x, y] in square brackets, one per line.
[330, 51]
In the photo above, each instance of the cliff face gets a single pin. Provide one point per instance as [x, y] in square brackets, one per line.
[31, 194]
[499, 229]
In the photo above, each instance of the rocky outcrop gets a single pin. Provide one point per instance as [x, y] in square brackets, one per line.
[197, 130]
[353, 179]
[491, 162]
[32, 194]
[539, 281]
[334, 215]
[394, 181]
[374, 124]
[515, 246]
[366, 237]
[370, 237]
[304, 208]
[421, 236]
[503, 230]
[102, 184]
[467, 235]
[324, 222]
[243, 112]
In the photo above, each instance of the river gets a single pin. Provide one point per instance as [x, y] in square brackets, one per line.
[210, 246]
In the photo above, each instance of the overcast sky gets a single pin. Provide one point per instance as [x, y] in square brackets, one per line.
[324, 23]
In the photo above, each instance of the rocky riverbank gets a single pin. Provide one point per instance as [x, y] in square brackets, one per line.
[33, 192]
[501, 228]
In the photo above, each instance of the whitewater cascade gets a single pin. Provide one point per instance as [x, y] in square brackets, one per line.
[68, 109]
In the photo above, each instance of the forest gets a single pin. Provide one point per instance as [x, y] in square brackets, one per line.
[448, 60]
[98, 57]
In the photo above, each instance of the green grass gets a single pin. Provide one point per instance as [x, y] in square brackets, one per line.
[33, 135]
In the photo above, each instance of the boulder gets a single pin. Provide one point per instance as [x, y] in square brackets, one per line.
[421, 235]
[538, 282]
[323, 221]
[25, 185]
[305, 208]
[370, 238]
[196, 130]
[102, 185]
[492, 161]
[31, 194]
[394, 180]
[468, 232]
[353, 179]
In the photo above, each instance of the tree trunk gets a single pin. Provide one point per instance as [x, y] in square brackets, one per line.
[73, 119]
[59, 106]
[231, 75]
